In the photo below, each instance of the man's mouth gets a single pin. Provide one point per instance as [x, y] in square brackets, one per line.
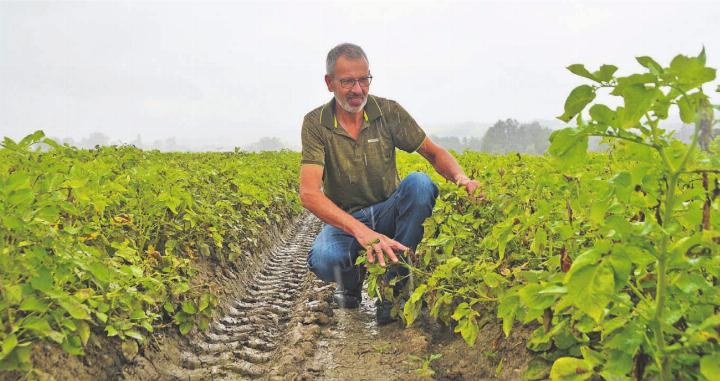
[355, 100]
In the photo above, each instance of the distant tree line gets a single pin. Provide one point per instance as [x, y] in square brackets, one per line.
[504, 136]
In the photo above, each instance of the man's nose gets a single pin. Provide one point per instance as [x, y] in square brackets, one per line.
[356, 85]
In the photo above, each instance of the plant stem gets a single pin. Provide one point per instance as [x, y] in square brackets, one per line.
[663, 257]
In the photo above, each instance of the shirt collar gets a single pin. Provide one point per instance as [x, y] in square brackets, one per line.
[327, 118]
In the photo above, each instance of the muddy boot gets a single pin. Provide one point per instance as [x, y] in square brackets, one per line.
[383, 313]
[350, 297]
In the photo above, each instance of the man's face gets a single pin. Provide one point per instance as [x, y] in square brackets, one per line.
[351, 99]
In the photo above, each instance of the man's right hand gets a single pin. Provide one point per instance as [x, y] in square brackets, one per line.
[378, 246]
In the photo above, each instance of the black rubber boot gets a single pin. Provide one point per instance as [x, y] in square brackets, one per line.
[383, 313]
[350, 297]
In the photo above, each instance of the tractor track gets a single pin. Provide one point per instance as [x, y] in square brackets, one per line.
[242, 343]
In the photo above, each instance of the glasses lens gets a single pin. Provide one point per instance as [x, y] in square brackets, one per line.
[349, 83]
[365, 82]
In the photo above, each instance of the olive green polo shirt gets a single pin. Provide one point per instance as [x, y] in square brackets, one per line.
[362, 172]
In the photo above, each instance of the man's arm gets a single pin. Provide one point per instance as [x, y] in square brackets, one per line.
[446, 165]
[314, 200]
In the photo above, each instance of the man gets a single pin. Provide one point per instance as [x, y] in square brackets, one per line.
[348, 178]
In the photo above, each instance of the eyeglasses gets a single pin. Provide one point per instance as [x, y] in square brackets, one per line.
[349, 83]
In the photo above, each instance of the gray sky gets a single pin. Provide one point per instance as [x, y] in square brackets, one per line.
[225, 74]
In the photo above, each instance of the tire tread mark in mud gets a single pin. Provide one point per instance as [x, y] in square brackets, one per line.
[240, 344]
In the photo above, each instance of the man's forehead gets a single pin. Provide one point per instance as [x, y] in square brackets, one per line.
[351, 66]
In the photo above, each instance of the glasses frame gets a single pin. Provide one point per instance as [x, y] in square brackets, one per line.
[346, 84]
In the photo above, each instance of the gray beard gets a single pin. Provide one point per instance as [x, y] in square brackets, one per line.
[345, 106]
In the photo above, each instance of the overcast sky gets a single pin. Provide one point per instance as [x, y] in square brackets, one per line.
[225, 74]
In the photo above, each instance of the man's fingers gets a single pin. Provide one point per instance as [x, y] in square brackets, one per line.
[381, 247]
[370, 256]
[378, 250]
[472, 186]
[391, 254]
[399, 246]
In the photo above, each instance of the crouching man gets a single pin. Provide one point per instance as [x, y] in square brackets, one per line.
[349, 179]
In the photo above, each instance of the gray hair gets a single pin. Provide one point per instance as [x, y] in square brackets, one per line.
[346, 49]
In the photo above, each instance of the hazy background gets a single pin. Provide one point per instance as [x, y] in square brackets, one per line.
[198, 75]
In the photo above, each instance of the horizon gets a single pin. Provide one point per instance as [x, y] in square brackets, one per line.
[229, 74]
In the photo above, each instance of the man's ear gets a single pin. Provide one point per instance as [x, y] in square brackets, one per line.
[329, 83]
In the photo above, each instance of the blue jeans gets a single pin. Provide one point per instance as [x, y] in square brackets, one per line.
[400, 217]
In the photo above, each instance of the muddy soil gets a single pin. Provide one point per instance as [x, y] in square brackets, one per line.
[277, 322]
[354, 347]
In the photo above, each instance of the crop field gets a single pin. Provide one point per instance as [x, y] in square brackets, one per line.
[610, 259]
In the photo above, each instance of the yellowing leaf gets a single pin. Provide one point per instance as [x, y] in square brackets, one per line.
[570, 369]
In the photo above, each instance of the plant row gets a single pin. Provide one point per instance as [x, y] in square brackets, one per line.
[613, 257]
[104, 241]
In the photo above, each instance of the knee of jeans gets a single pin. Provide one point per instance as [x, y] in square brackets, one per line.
[421, 187]
[327, 263]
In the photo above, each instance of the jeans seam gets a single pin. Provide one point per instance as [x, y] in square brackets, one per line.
[394, 204]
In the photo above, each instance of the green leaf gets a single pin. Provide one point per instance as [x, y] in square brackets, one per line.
[185, 327]
[37, 324]
[617, 364]
[650, 63]
[188, 307]
[13, 294]
[568, 144]
[622, 265]
[468, 329]
[204, 323]
[532, 297]
[590, 288]
[603, 114]
[83, 331]
[537, 369]
[638, 100]
[76, 309]
[101, 316]
[9, 144]
[539, 241]
[111, 331]
[591, 357]
[570, 369]
[8, 345]
[689, 106]
[632, 80]
[605, 73]
[710, 367]
[414, 304]
[691, 71]
[100, 271]
[138, 314]
[579, 69]
[42, 281]
[577, 100]
[507, 309]
[31, 139]
[626, 339]
[204, 302]
[135, 335]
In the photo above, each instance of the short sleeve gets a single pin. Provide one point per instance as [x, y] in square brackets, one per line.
[406, 133]
[313, 150]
